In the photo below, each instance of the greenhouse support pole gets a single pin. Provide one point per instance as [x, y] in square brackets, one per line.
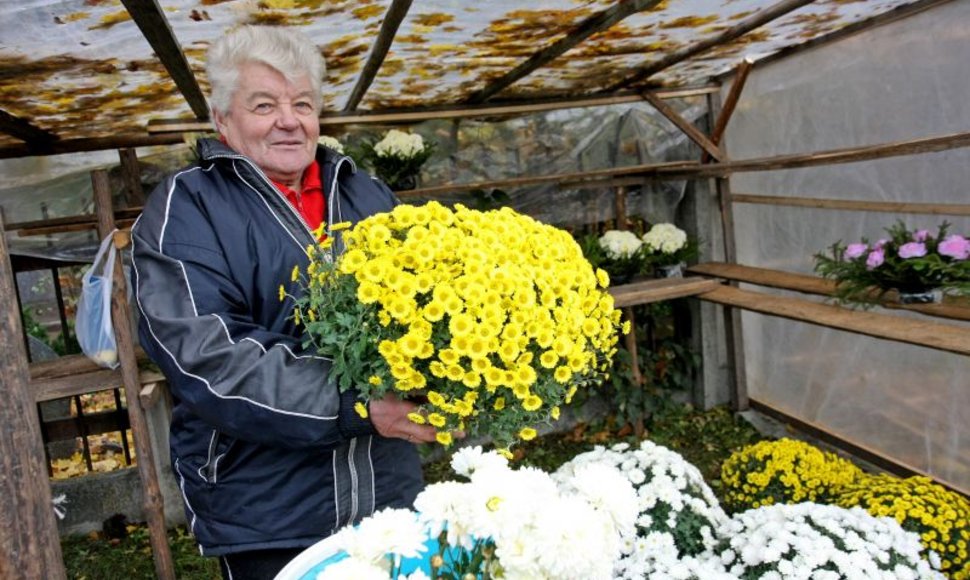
[121, 318]
[732, 316]
[29, 542]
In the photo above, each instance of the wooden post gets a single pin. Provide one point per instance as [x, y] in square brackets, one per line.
[131, 175]
[29, 543]
[732, 316]
[152, 496]
[630, 340]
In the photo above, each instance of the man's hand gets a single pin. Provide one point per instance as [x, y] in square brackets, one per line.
[390, 417]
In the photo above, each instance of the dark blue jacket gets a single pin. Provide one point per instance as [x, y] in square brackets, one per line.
[268, 453]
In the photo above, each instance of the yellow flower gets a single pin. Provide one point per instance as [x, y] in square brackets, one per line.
[375, 380]
[444, 438]
[416, 418]
[368, 292]
[295, 274]
[361, 409]
[436, 419]
[554, 413]
[319, 231]
[339, 226]
[464, 303]
[527, 434]
[282, 293]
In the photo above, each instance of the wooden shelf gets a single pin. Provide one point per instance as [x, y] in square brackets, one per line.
[77, 374]
[658, 290]
[930, 334]
[815, 285]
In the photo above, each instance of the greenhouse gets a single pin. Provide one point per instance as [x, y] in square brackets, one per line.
[712, 255]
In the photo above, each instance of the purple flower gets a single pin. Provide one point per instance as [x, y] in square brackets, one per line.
[955, 246]
[875, 259]
[912, 250]
[921, 235]
[853, 251]
[881, 243]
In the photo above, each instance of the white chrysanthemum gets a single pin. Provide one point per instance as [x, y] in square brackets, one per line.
[331, 143]
[606, 489]
[809, 540]
[469, 460]
[395, 531]
[399, 144]
[620, 243]
[665, 238]
[676, 511]
[576, 541]
[353, 568]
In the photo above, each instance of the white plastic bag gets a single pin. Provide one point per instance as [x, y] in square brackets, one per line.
[95, 333]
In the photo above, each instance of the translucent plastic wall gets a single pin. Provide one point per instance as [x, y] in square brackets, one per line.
[901, 81]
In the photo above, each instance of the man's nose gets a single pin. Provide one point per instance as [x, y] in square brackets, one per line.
[286, 119]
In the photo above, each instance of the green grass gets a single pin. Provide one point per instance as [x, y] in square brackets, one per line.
[94, 557]
[705, 439]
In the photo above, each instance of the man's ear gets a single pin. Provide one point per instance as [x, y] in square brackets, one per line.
[219, 118]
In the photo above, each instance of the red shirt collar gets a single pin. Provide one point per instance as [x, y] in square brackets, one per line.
[311, 181]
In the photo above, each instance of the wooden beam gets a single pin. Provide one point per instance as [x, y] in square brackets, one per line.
[831, 157]
[577, 179]
[958, 209]
[730, 103]
[595, 23]
[29, 543]
[756, 20]
[34, 137]
[809, 284]
[158, 32]
[887, 327]
[649, 291]
[494, 109]
[692, 132]
[862, 451]
[392, 21]
[90, 144]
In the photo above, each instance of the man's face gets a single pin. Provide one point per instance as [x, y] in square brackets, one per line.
[273, 122]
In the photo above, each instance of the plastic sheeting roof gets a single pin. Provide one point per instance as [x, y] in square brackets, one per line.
[82, 68]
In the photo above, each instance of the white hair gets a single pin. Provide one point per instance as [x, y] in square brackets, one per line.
[286, 50]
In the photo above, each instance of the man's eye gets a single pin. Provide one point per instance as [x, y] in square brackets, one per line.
[303, 108]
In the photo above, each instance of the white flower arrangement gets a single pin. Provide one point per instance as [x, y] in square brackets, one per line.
[331, 143]
[512, 524]
[677, 513]
[809, 540]
[397, 158]
[665, 238]
[400, 145]
[620, 244]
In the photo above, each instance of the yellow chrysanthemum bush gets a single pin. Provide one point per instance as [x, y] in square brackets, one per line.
[783, 471]
[492, 320]
[939, 516]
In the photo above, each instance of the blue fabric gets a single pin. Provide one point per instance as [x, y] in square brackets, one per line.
[408, 565]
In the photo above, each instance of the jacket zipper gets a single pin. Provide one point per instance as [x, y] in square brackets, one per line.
[268, 183]
[354, 492]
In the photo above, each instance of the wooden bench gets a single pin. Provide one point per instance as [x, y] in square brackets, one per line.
[658, 290]
[815, 285]
[919, 332]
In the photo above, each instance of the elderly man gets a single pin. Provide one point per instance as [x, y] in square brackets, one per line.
[270, 456]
